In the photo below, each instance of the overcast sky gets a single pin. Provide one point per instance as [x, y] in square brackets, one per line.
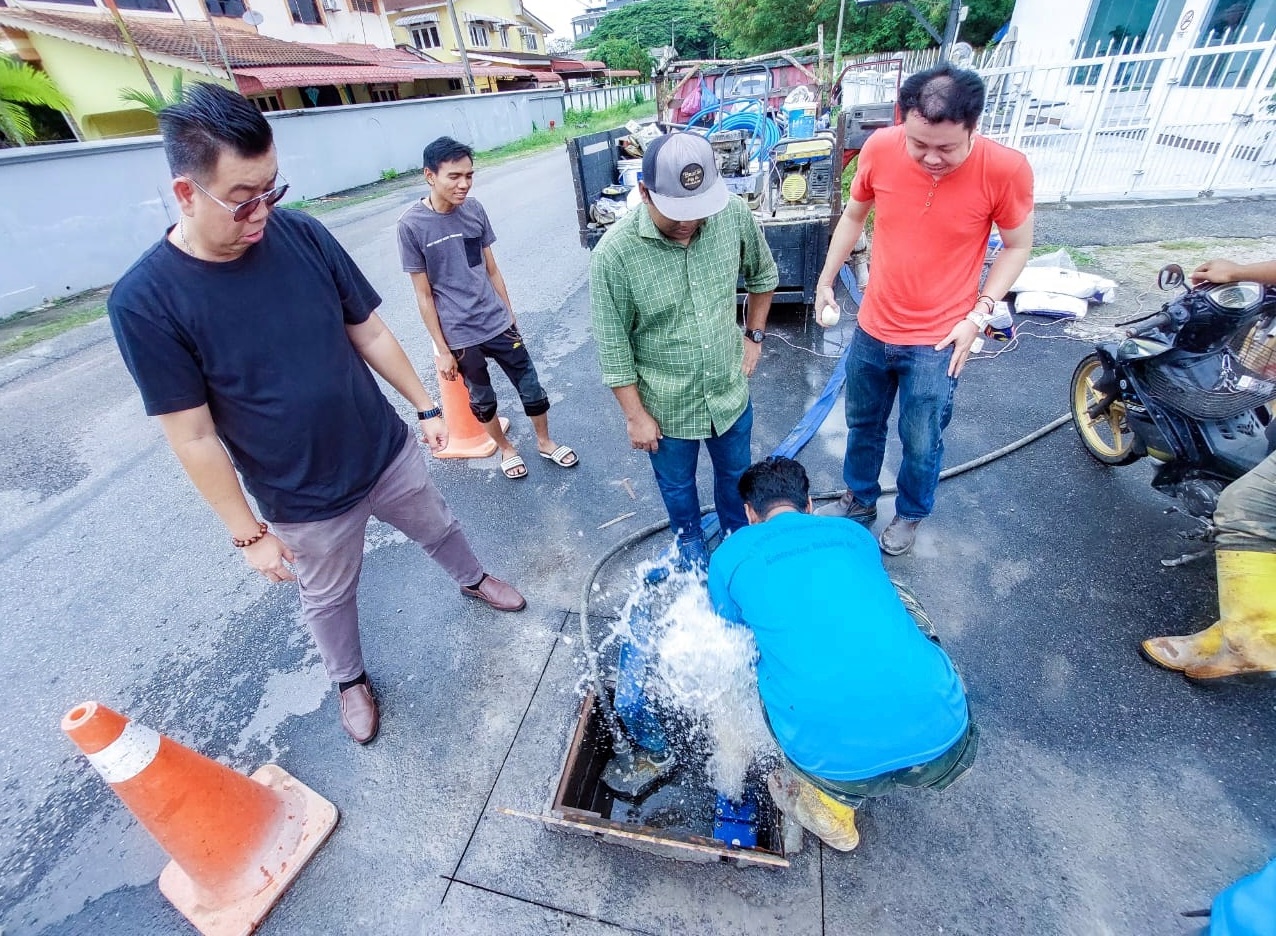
[558, 13]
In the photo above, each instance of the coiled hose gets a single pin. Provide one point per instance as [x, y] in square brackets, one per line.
[764, 132]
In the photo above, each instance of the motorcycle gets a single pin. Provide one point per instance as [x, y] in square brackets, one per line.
[1191, 386]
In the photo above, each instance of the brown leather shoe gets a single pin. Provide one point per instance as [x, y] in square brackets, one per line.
[359, 715]
[500, 595]
[847, 506]
[898, 536]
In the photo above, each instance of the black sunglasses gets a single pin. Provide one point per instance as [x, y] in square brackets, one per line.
[243, 210]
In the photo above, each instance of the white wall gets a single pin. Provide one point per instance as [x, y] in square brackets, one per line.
[75, 215]
[1047, 30]
[329, 149]
[344, 25]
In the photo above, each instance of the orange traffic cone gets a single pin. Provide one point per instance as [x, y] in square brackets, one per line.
[236, 842]
[466, 437]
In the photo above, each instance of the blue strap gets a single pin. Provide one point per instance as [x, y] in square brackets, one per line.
[810, 423]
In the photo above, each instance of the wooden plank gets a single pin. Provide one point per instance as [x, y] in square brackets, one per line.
[568, 776]
[647, 839]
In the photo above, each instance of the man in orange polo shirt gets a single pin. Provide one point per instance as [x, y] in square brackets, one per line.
[937, 188]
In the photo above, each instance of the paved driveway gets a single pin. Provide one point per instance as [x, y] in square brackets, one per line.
[1107, 798]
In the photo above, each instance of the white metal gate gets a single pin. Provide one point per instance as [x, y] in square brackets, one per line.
[1135, 123]
[600, 98]
[1142, 125]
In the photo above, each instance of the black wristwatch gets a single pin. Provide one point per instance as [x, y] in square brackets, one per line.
[433, 413]
[755, 335]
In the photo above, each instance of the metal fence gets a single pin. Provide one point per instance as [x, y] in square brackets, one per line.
[600, 98]
[1128, 122]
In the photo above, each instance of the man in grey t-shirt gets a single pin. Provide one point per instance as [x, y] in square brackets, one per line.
[445, 245]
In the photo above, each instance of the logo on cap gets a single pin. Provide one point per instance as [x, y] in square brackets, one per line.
[692, 176]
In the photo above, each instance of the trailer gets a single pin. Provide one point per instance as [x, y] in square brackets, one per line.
[786, 163]
[864, 92]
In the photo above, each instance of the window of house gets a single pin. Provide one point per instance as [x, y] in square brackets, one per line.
[365, 6]
[529, 40]
[305, 11]
[266, 102]
[77, 2]
[225, 7]
[426, 36]
[454, 84]
[160, 6]
[1116, 27]
[478, 34]
[384, 92]
[505, 37]
[1230, 22]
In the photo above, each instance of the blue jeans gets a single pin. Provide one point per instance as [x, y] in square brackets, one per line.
[674, 463]
[875, 372]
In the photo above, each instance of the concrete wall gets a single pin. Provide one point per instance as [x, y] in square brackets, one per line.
[324, 150]
[75, 215]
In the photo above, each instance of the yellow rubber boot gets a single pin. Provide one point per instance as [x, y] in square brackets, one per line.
[1243, 640]
[815, 811]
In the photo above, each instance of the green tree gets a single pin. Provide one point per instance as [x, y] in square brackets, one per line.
[651, 23]
[152, 102]
[626, 54]
[758, 26]
[21, 86]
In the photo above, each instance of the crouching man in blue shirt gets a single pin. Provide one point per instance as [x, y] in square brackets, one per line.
[858, 693]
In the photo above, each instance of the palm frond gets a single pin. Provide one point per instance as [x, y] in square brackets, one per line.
[155, 102]
[22, 84]
[148, 99]
[15, 123]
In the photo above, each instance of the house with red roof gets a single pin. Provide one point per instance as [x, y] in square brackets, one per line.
[93, 54]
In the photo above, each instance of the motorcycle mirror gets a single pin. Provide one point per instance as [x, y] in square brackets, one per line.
[1170, 277]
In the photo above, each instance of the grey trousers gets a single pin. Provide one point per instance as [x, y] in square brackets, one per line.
[1246, 512]
[328, 554]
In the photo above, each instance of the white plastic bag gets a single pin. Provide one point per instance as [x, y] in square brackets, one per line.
[1052, 279]
[799, 96]
[1050, 305]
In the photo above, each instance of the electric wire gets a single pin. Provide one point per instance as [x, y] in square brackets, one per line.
[798, 347]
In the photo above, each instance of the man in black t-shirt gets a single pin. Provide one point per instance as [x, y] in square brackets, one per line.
[250, 334]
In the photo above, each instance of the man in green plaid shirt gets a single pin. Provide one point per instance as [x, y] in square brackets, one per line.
[662, 283]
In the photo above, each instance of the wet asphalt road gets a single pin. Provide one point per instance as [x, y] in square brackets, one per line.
[1107, 798]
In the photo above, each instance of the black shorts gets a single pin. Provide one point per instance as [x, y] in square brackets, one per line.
[510, 354]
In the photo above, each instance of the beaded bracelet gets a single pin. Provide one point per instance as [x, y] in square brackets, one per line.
[261, 533]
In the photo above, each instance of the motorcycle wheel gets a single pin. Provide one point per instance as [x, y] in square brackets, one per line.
[1106, 437]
